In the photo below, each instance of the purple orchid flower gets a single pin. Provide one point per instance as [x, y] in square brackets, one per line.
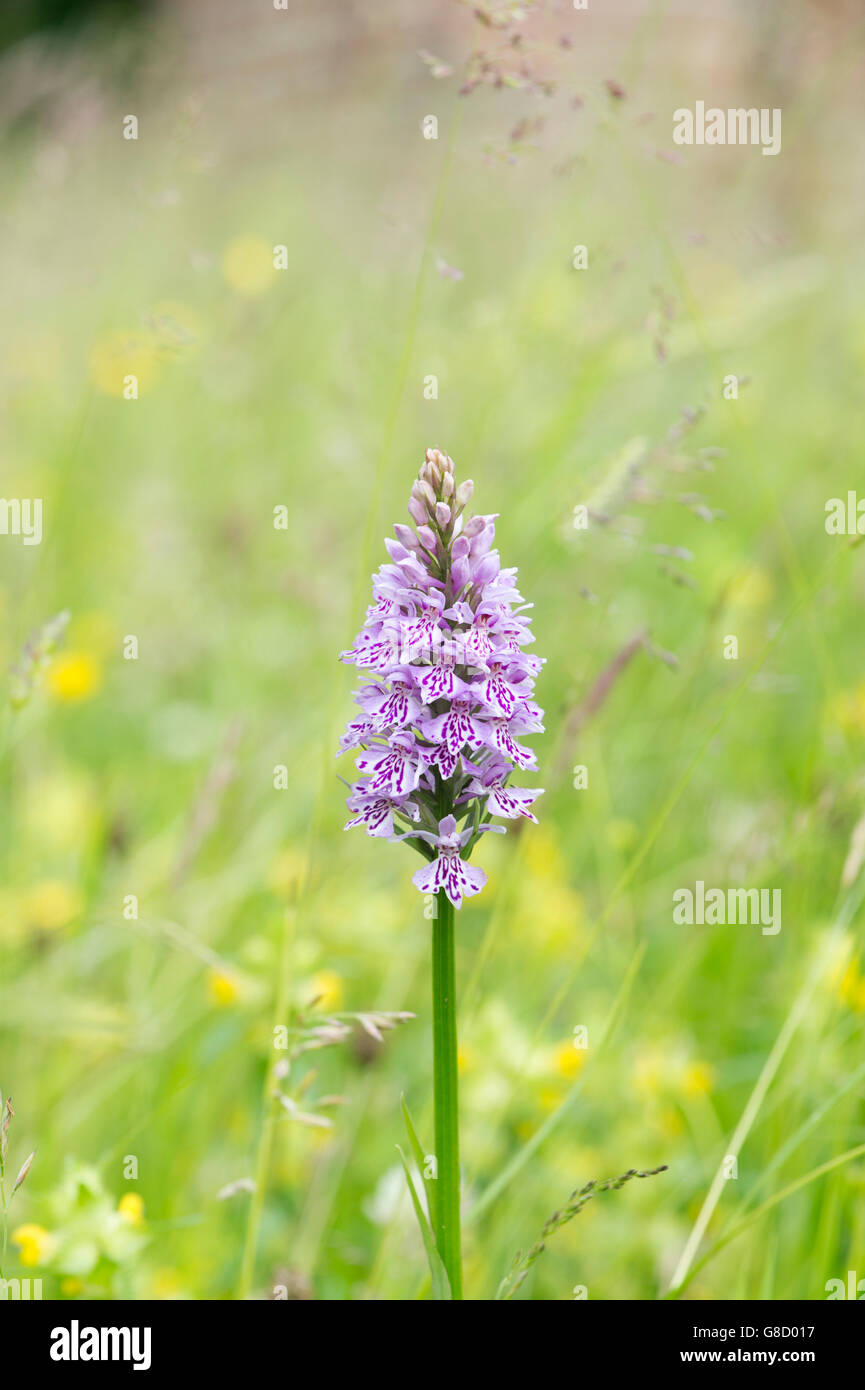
[392, 703]
[510, 802]
[393, 769]
[377, 812]
[448, 871]
[457, 727]
[449, 689]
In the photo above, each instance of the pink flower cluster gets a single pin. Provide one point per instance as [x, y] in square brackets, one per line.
[447, 693]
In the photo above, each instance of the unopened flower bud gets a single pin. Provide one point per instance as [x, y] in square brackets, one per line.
[427, 538]
[443, 514]
[406, 536]
[442, 463]
[416, 509]
[430, 474]
[473, 527]
[464, 492]
[426, 494]
[448, 484]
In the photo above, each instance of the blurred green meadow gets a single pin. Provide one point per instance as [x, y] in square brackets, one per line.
[169, 895]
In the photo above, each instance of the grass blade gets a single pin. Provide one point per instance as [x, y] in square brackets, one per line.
[441, 1288]
[420, 1160]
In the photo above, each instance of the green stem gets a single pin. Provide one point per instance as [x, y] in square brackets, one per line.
[4, 1222]
[447, 1144]
[265, 1142]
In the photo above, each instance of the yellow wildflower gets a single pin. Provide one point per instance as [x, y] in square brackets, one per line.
[131, 1208]
[35, 1244]
[247, 265]
[222, 987]
[74, 676]
[835, 955]
[852, 988]
[326, 988]
[52, 905]
[698, 1079]
[122, 355]
[569, 1060]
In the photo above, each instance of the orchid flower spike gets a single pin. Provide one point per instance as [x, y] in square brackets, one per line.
[448, 688]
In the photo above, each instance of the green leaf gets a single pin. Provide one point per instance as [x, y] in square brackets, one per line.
[420, 1159]
[441, 1288]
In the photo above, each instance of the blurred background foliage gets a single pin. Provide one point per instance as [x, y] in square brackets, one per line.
[153, 778]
